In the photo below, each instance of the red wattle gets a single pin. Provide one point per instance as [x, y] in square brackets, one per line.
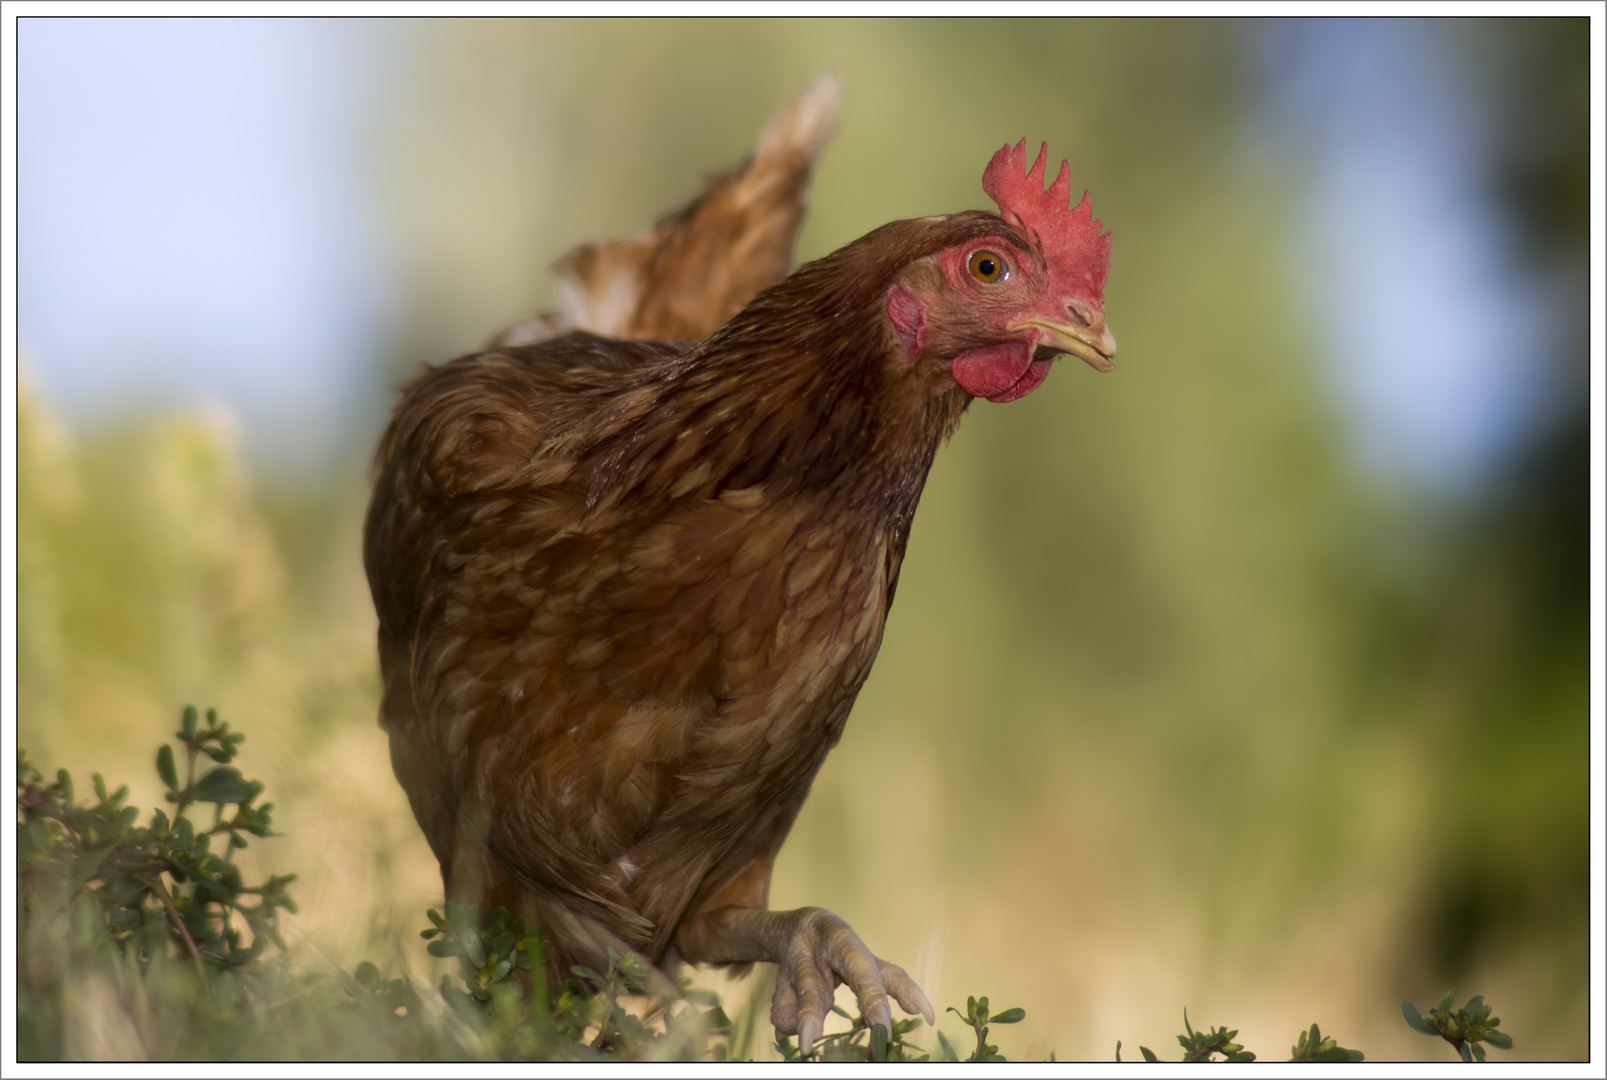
[1000, 372]
[1036, 374]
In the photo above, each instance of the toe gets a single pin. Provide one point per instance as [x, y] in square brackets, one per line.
[815, 987]
[858, 967]
[784, 1006]
[906, 992]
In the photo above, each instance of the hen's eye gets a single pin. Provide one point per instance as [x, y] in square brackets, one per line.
[987, 267]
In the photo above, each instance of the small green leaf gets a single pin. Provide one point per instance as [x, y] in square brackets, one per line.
[165, 769]
[1009, 1016]
[190, 718]
[1149, 1055]
[217, 754]
[1474, 1007]
[948, 1050]
[497, 921]
[1499, 1039]
[878, 1043]
[1467, 1054]
[1478, 1051]
[223, 785]
[367, 975]
[1415, 1019]
[65, 782]
[100, 786]
[444, 947]
[1448, 1001]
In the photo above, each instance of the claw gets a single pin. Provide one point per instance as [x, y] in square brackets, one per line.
[809, 1034]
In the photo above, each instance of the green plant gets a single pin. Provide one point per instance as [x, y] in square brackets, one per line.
[977, 1015]
[1208, 1045]
[159, 886]
[487, 954]
[1465, 1028]
[1313, 1046]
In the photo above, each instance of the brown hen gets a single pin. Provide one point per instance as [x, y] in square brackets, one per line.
[628, 591]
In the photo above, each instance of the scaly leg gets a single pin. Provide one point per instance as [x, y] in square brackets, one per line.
[814, 951]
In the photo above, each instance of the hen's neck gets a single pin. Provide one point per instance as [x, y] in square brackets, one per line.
[805, 390]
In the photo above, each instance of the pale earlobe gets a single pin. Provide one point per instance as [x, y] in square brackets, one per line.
[908, 316]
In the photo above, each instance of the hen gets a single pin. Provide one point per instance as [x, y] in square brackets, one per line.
[628, 591]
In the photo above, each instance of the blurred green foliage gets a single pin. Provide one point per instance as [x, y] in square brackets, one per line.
[1223, 689]
[100, 895]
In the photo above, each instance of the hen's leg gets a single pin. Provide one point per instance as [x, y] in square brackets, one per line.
[814, 951]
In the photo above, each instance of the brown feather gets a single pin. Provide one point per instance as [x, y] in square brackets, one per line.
[702, 263]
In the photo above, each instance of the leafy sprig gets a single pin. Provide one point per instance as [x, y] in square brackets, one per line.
[1466, 1029]
[977, 1015]
[487, 954]
[1314, 1046]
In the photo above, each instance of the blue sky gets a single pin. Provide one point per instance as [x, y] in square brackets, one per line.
[1436, 347]
[193, 223]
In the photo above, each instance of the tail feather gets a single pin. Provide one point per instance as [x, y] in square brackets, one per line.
[701, 264]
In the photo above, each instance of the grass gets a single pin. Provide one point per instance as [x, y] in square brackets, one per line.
[139, 941]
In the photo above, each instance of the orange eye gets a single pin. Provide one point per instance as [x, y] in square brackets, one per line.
[987, 267]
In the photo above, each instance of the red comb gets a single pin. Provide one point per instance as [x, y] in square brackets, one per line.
[1067, 235]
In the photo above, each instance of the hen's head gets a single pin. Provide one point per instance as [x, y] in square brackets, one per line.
[1021, 288]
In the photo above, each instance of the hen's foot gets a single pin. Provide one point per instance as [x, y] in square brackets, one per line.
[815, 951]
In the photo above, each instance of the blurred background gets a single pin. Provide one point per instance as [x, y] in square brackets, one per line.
[1251, 678]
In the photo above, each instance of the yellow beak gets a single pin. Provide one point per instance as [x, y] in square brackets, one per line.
[1093, 343]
